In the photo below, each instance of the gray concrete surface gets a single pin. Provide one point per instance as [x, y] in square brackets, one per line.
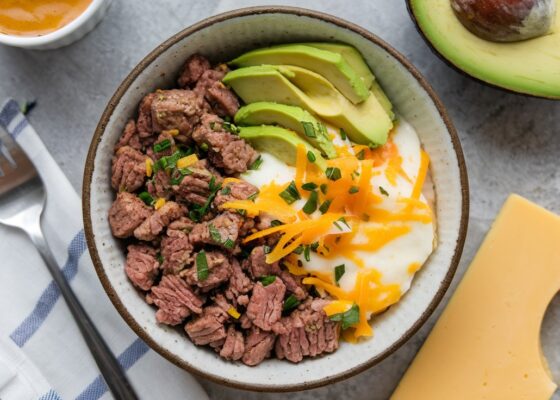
[511, 143]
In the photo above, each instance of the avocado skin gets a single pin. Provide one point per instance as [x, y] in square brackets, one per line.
[365, 123]
[280, 142]
[333, 66]
[291, 117]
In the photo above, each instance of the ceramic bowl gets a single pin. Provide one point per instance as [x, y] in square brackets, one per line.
[221, 38]
[64, 36]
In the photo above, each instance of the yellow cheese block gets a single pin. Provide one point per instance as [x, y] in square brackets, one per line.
[486, 345]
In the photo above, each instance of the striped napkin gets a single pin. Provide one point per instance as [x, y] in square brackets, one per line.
[42, 354]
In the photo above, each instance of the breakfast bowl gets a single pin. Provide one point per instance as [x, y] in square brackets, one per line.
[74, 29]
[224, 37]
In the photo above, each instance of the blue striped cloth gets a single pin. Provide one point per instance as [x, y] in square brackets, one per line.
[40, 346]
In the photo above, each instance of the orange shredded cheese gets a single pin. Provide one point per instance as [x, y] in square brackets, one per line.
[187, 161]
[233, 312]
[424, 163]
[149, 167]
[159, 203]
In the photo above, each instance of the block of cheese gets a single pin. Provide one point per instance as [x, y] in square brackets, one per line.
[486, 344]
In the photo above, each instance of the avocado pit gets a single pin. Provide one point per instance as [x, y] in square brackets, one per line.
[506, 20]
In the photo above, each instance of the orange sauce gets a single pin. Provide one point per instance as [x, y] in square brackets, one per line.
[38, 17]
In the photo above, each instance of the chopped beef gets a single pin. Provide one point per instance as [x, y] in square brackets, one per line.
[142, 266]
[221, 231]
[219, 271]
[144, 121]
[265, 305]
[195, 188]
[239, 285]
[258, 346]
[176, 251]
[221, 99]
[307, 332]
[235, 191]
[129, 137]
[225, 150]
[126, 213]
[155, 223]
[293, 285]
[209, 328]
[176, 109]
[128, 170]
[234, 346]
[182, 224]
[160, 185]
[194, 67]
[257, 265]
[174, 299]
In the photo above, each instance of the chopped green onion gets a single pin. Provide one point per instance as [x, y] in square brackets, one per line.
[311, 204]
[146, 198]
[204, 147]
[342, 134]
[372, 146]
[343, 220]
[227, 118]
[311, 156]
[333, 173]
[307, 253]
[229, 244]
[197, 211]
[268, 279]
[290, 303]
[276, 222]
[314, 246]
[361, 154]
[212, 125]
[348, 318]
[231, 128]
[159, 257]
[27, 106]
[253, 196]
[215, 234]
[325, 206]
[212, 183]
[163, 145]
[266, 249]
[290, 194]
[256, 164]
[339, 270]
[298, 250]
[308, 129]
[324, 188]
[309, 186]
[178, 175]
[226, 190]
[353, 189]
[383, 191]
[201, 266]
[323, 129]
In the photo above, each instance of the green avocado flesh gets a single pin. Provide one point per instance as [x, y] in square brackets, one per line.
[530, 66]
[333, 66]
[280, 142]
[365, 123]
[291, 117]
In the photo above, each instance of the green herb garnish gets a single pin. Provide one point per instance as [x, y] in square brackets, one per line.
[383, 191]
[215, 233]
[226, 190]
[309, 186]
[201, 266]
[268, 279]
[333, 173]
[342, 134]
[290, 303]
[307, 253]
[163, 145]
[325, 206]
[197, 211]
[290, 194]
[361, 154]
[323, 188]
[159, 257]
[266, 249]
[203, 147]
[231, 128]
[308, 129]
[256, 164]
[348, 318]
[311, 204]
[311, 156]
[178, 175]
[353, 189]
[339, 270]
[146, 198]
[276, 222]
[229, 244]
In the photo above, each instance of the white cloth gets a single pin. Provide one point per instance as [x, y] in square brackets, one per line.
[37, 332]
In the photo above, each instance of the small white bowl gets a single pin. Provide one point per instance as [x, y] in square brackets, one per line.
[221, 38]
[73, 31]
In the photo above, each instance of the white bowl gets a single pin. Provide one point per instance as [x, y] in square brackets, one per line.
[221, 38]
[73, 31]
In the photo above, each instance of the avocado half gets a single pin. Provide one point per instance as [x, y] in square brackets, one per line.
[529, 67]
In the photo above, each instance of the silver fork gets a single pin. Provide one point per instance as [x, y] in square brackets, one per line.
[22, 199]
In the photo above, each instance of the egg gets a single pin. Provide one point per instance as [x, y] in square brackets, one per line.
[376, 254]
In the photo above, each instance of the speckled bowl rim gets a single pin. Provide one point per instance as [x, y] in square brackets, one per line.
[124, 86]
[457, 68]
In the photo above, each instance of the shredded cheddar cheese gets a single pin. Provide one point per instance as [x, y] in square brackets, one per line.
[159, 203]
[149, 167]
[187, 161]
[233, 313]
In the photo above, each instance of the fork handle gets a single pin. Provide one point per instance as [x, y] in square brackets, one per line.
[110, 368]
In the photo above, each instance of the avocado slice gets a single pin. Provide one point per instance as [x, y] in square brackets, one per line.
[530, 67]
[364, 123]
[279, 142]
[332, 66]
[358, 64]
[291, 117]
[352, 57]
